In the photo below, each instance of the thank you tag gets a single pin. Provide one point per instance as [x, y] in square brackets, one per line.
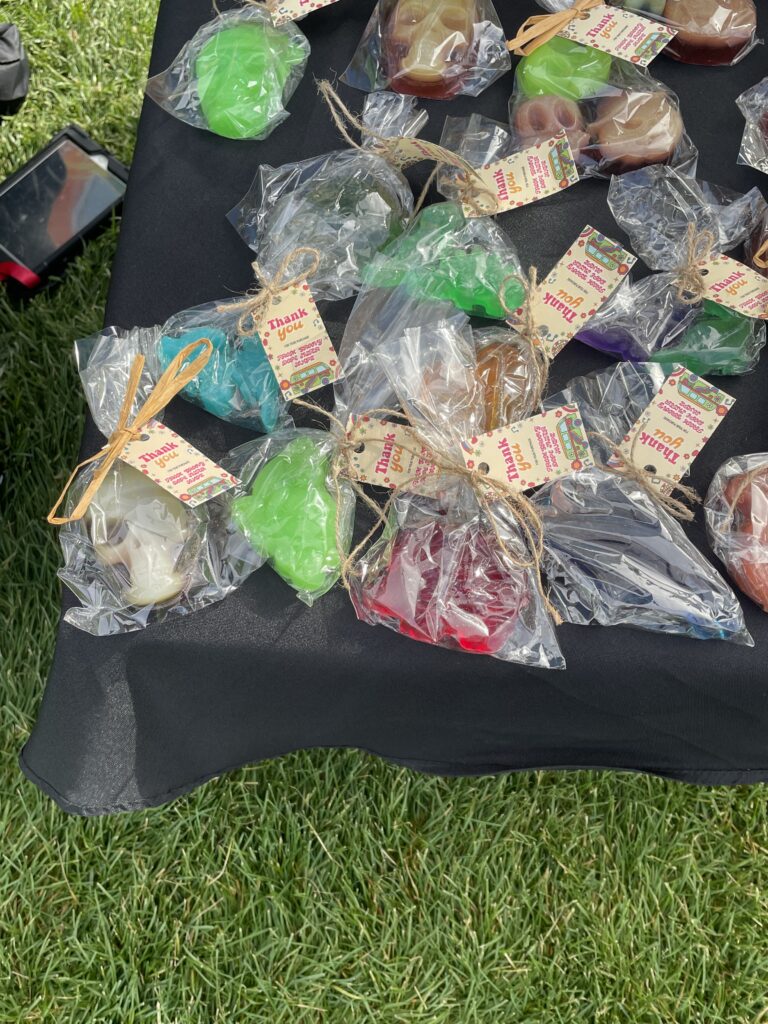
[675, 427]
[620, 33]
[291, 10]
[177, 466]
[525, 177]
[732, 284]
[577, 287]
[533, 451]
[385, 453]
[296, 342]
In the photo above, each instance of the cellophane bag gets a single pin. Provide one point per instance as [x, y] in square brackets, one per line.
[434, 50]
[346, 204]
[440, 573]
[616, 116]
[291, 509]
[235, 75]
[753, 103]
[756, 247]
[139, 555]
[736, 510]
[613, 555]
[708, 32]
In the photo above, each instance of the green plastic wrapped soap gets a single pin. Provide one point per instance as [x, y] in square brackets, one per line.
[289, 517]
[720, 341]
[242, 74]
[561, 67]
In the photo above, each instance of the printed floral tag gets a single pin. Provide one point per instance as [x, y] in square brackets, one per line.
[533, 451]
[621, 33]
[177, 466]
[675, 426]
[282, 11]
[732, 284]
[386, 454]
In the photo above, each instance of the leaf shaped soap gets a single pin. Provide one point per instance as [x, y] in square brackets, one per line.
[290, 517]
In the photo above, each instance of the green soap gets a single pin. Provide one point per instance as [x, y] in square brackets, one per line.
[290, 517]
[561, 67]
[720, 341]
[241, 72]
[644, 6]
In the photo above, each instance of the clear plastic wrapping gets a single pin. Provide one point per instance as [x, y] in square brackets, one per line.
[432, 50]
[753, 103]
[289, 506]
[444, 571]
[756, 247]
[235, 76]
[139, 555]
[617, 117]
[709, 32]
[346, 204]
[736, 510]
[613, 556]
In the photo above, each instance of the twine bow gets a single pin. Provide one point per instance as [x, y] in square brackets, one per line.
[679, 508]
[760, 258]
[540, 28]
[746, 481]
[691, 286]
[488, 492]
[174, 379]
[258, 299]
[402, 151]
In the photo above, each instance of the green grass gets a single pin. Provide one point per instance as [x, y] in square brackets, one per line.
[327, 887]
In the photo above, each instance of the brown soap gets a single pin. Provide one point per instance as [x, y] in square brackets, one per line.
[634, 129]
[710, 31]
[504, 372]
[542, 117]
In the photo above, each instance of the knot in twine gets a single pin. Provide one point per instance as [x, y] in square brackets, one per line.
[258, 299]
[488, 492]
[540, 28]
[691, 286]
[401, 151]
[174, 379]
[760, 258]
[679, 507]
[523, 321]
[746, 481]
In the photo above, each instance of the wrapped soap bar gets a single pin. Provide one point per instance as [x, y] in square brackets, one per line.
[293, 512]
[137, 554]
[756, 247]
[707, 32]
[437, 51]
[613, 555]
[346, 204]
[753, 103]
[235, 76]
[736, 510]
[451, 569]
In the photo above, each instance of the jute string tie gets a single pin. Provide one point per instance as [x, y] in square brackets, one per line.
[256, 302]
[524, 323]
[174, 379]
[540, 28]
[691, 286]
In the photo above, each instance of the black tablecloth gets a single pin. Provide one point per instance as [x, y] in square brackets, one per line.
[132, 721]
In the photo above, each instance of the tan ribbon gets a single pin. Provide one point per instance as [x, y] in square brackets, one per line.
[487, 491]
[525, 326]
[760, 258]
[540, 28]
[174, 379]
[677, 507]
[258, 299]
[399, 151]
[691, 286]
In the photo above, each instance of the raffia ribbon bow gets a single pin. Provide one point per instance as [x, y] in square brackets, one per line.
[257, 300]
[691, 286]
[540, 28]
[174, 379]
[760, 258]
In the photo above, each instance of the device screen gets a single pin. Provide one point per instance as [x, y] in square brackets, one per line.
[54, 202]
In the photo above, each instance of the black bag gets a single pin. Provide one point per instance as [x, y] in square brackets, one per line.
[14, 70]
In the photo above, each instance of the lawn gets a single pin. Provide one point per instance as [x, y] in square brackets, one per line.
[326, 887]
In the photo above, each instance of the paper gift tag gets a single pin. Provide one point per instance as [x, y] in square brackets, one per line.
[296, 342]
[533, 451]
[386, 454]
[577, 287]
[525, 177]
[736, 286]
[675, 426]
[176, 465]
[621, 33]
[291, 10]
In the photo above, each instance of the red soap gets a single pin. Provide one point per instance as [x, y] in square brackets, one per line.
[749, 565]
[710, 31]
[446, 585]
